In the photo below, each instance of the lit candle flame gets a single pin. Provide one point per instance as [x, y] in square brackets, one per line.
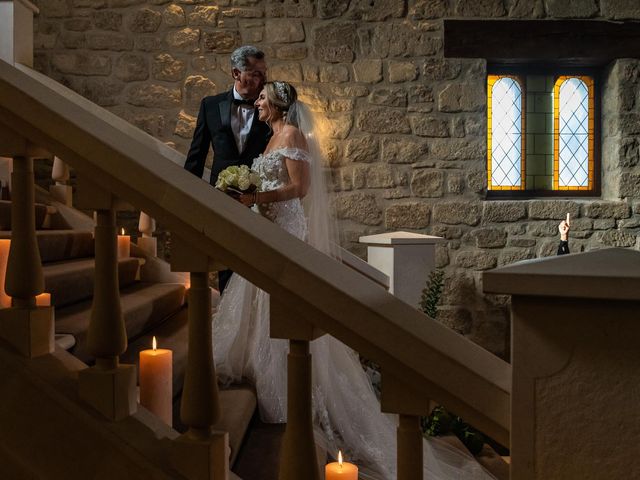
[155, 343]
[340, 458]
[122, 231]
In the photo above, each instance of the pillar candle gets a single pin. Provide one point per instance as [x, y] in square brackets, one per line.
[43, 300]
[156, 388]
[124, 245]
[340, 470]
[5, 244]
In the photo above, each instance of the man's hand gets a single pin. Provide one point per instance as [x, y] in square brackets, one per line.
[247, 199]
[564, 227]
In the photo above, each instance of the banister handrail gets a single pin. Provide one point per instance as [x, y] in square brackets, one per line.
[417, 350]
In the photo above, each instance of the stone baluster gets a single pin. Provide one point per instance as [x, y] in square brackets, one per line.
[108, 386]
[200, 453]
[407, 258]
[298, 457]
[146, 241]
[61, 191]
[399, 397]
[25, 326]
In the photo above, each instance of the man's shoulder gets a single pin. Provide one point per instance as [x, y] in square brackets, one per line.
[213, 99]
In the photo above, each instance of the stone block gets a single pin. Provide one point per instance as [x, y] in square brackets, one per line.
[167, 68]
[459, 288]
[109, 41]
[29, 330]
[376, 10]
[335, 42]
[185, 40]
[185, 125]
[102, 91]
[173, 16]
[607, 210]
[620, 9]
[442, 256]
[332, 8]
[512, 255]
[203, 15]
[553, 209]
[495, 212]
[458, 149]
[391, 97]
[383, 121]
[629, 152]
[604, 223]
[373, 176]
[477, 181]
[402, 149]
[111, 392]
[521, 242]
[145, 20]
[413, 215]
[617, 238]
[291, 71]
[527, 9]
[292, 52]
[427, 183]
[486, 237]
[221, 41]
[573, 9]
[402, 71]
[480, 8]
[457, 97]
[196, 87]
[420, 94]
[107, 20]
[284, 31]
[77, 24]
[56, 8]
[368, 71]
[81, 63]
[360, 207]
[543, 229]
[147, 43]
[429, 126]
[362, 149]
[457, 212]
[152, 123]
[475, 259]
[457, 319]
[334, 73]
[629, 185]
[441, 69]
[152, 95]
[204, 64]
[341, 105]
[130, 67]
[428, 9]
[339, 126]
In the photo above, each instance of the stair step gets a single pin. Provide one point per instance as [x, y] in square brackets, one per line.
[57, 245]
[144, 306]
[5, 214]
[173, 334]
[72, 281]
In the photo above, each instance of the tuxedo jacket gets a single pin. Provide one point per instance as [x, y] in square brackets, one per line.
[213, 128]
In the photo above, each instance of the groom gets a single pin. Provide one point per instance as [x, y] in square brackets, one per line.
[229, 123]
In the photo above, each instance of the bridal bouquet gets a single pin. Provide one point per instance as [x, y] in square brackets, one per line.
[236, 180]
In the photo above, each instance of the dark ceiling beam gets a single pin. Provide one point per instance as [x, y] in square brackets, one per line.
[572, 42]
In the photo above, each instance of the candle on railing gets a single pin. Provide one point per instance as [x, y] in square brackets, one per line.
[124, 245]
[5, 245]
[340, 470]
[156, 388]
[43, 300]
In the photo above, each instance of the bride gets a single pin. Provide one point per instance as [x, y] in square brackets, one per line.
[346, 411]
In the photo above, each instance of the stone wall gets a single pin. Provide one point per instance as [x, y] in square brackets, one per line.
[406, 128]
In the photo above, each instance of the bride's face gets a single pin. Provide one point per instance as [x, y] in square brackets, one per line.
[266, 111]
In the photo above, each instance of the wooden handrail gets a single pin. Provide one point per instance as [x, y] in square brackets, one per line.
[419, 351]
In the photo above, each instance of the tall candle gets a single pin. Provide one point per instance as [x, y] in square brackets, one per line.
[156, 390]
[5, 245]
[124, 245]
[340, 470]
[43, 300]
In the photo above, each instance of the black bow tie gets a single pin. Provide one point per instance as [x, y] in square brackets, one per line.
[238, 101]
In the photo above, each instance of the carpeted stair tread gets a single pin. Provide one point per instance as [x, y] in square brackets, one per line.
[237, 407]
[72, 281]
[56, 245]
[144, 306]
[5, 214]
[173, 334]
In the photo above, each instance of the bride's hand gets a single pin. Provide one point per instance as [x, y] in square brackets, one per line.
[247, 199]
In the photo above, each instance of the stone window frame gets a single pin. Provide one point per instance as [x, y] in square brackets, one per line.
[556, 70]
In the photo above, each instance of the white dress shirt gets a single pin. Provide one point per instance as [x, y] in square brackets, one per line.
[241, 120]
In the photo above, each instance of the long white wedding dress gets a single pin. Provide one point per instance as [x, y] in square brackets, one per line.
[346, 411]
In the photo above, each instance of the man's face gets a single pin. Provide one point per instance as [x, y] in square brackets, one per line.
[249, 82]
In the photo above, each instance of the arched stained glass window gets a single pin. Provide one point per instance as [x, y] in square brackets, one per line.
[573, 105]
[505, 139]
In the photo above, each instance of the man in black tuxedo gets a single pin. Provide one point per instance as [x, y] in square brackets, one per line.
[229, 123]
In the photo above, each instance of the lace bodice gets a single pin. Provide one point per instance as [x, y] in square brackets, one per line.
[272, 169]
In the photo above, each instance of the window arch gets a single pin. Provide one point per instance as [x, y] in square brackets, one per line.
[505, 138]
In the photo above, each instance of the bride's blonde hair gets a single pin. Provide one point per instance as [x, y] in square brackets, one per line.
[281, 96]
